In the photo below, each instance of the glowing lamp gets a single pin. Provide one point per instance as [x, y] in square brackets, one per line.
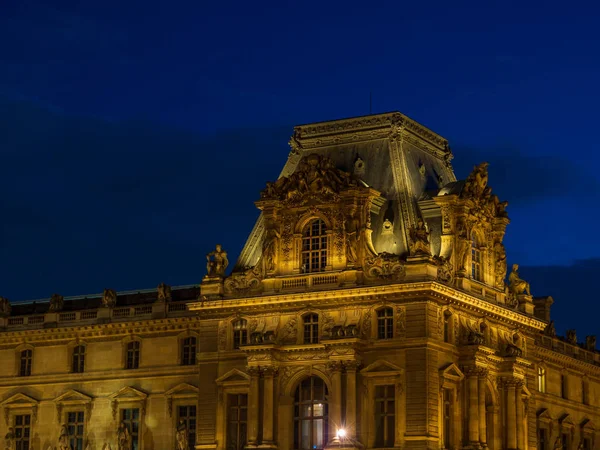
[341, 433]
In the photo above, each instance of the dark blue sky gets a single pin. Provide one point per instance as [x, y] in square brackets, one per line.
[135, 135]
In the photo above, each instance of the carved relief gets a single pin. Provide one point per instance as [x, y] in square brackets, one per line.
[222, 337]
[287, 238]
[57, 303]
[419, 239]
[500, 264]
[445, 271]
[109, 298]
[400, 321]
[365, 326]
[288, 334]
[385, 266]
[242, 283]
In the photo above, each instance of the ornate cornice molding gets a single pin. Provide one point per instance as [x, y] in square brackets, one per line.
[566, 361]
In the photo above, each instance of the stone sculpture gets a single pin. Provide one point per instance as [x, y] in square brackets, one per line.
[216, 262]
[57, 303]
[109, 298]
[517, 285]
[164, 292]
[123, 437]
[9, 439]
[182, 436]
[419, 237]
[63, 439]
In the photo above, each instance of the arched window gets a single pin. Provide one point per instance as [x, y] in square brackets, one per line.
[132, 360]
[78, 362]
[188, 351]
[314, 247]
[385, 323]
[475, 260]
[26, 361]
[311, 329]
[240, 333]
[541, 379]
[310, 415]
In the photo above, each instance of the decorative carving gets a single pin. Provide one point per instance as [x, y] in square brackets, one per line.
[476, 182]
[463, 245]
[289, 332]
[315, 178]
[222, 338]
[286, 238]
[4, 307]
[572, 337]
[269, 250]
[387, 228]
[57, 303]
[9, 439]
[326, 323]
[475, 338]
[109, 298]
[181, 435]
[63, 439]
[123, 437]
[446, 224]
[216, 262]
[352, 238]
[365, 326]
[241, 283]
[385, 266]
[500, 264]
[419, 239]
[590, 343]
[550, 330]
[516, 285]
[400, 321]
[512, 350]
[445, 271]
[359, 166]
[164, 292]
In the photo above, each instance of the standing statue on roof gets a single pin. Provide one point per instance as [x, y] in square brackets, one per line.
[216, 266]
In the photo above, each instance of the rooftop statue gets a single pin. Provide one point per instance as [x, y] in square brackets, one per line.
[515, 284]
[550, 330]
[57, 303]
[4, 307]
[109, 298]
[216, 262]
[164, 292]
[419, 237]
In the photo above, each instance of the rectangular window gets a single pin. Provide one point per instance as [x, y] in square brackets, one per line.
[563, 386]
[237, 421]
[187, 414]
[385, 323]
[542, 439]
[133, 355]
[541, 380]
[447, 411]
[565, 441]
[78, 365]
[188, 357]
[385, 414]
[585, 392]
[131, 419]
[26, 361]
[75, 428]
[22, 431]
[475, 263]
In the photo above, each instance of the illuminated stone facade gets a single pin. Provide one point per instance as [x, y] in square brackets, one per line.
[368, 308]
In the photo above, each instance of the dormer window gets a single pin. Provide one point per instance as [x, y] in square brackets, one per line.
[314, 247]
[475, 260]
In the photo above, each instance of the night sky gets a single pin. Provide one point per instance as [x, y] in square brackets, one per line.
[136, 135]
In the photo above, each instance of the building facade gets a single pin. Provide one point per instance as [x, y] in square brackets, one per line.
[369, 308]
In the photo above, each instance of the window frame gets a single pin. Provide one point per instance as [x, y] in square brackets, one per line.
[192, 350]
[25, 362]
[385, 316]
[136, 361]
[299, 419]
[476, 259]
[311, 329]
[385, 400]
[27, 426]
[542, 379]
[82, 423]
[240, 336]
[78, 366]
[315, 232]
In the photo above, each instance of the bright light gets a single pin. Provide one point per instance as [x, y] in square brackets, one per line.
[341, 433]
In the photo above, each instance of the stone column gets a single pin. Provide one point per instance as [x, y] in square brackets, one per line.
[473, 398]
[511, 416]
[253, 409]
[268, 412]
[482, 410]
[520, 416]
[350, 417]
[335, 403]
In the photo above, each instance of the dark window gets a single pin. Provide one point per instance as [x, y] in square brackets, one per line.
[131, 419]
[75, 428]
[188, 351]
[78, 365]
[587, 444]
[22, 431]
[237, 421]
[475, 260]
[310, 415]
[385, 323]
[188, 415]
[26, 360]
[314, 247]
[311, 329]
[542, 439]
[240, 333]
[585, 387]
[565, 441]
[563, 386]
[133, 355]
[446, 327]
[385, 414]
[447, 399]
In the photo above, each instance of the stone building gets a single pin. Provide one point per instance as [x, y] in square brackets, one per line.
[369, 308]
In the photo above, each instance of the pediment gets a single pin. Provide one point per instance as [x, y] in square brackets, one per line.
[128, 393]
[18, 400]
[566, 421]
[544, 414]
[233, 376]
[381, 367]
[183, 390]
[73, 397]
[588, 425]
[452, 372]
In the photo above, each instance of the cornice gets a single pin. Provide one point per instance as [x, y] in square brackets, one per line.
[364, 295]
[107, 331]
[562, 360]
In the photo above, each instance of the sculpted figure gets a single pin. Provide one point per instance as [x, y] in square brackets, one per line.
[462, 246]
[550, 330]
[558, 445]
[500, 264]
[56, 303]
[590, 343]
[182, 436]
[516, 285]
[9, 439]
[445, 269]
[109, 298]
[219, 262]
[63, 438]
[123, 437]
[270, 249]
[419, 239]
[572, 337]
[164, 292]
[4, 307]
[352, 226]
